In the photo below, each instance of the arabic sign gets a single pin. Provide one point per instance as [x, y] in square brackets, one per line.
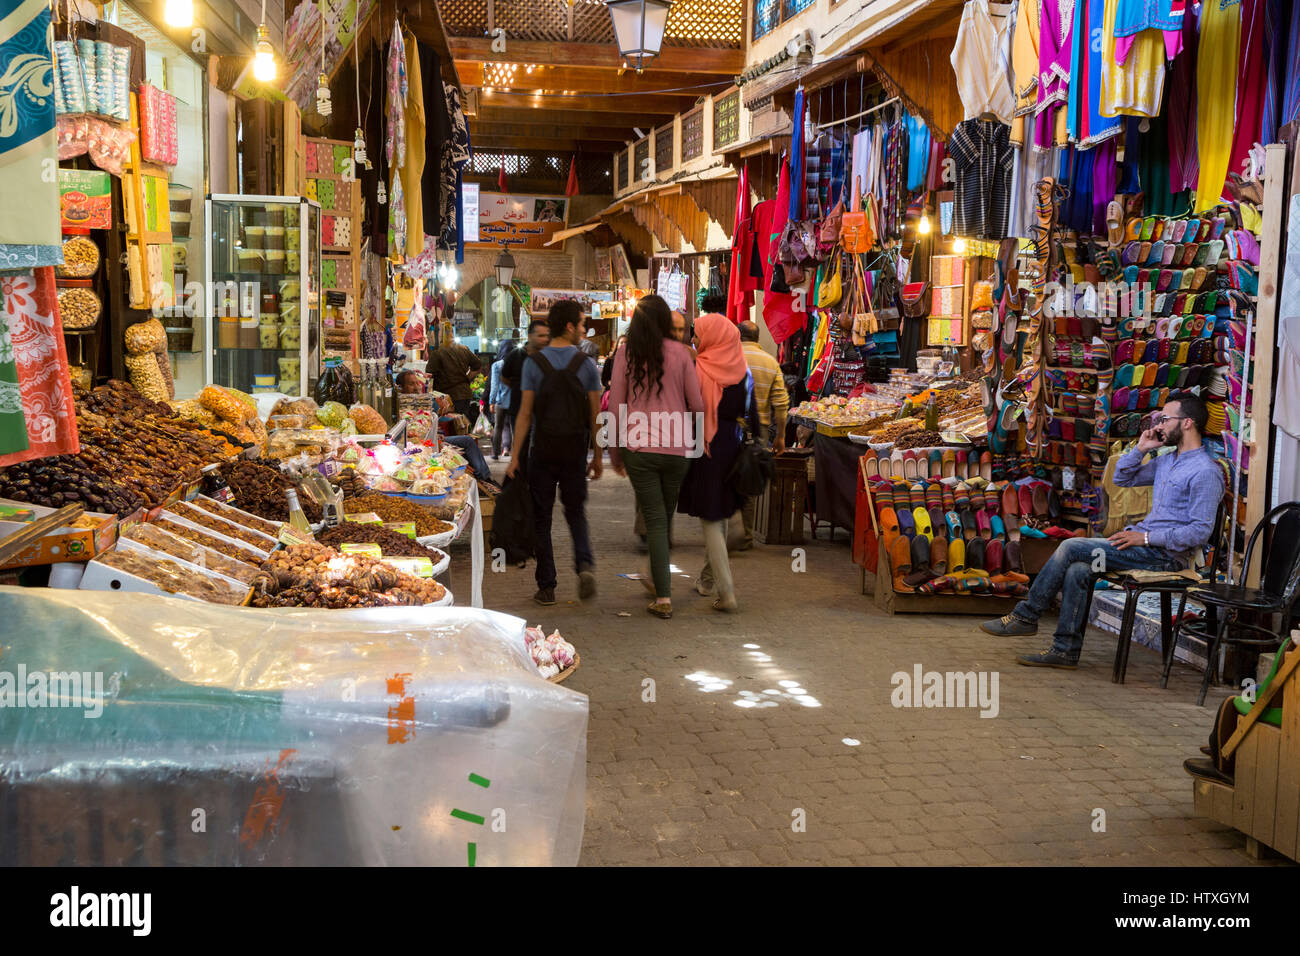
[523, 221]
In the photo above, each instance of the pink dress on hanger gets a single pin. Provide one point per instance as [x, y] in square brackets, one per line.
[1055, 58]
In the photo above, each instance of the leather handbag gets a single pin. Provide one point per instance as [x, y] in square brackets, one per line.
[854, 234]
[752, 468]
[828, 236]
[830, 289]
[915, 299]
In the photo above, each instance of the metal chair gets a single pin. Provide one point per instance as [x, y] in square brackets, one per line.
[1166, 587]
[1279, 588]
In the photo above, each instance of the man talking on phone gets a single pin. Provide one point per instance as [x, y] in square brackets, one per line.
[1188, 486]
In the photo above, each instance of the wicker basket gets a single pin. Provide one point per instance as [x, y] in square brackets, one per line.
[568, 671]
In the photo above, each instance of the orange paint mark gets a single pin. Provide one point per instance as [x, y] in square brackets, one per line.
[268, 800]
[397, 684]
[401, 718]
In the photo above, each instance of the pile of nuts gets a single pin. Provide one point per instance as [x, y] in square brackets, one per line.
[391, 543]
[398, 509]
[65, 480]
[80, 259]
[260, 490]
[79, 308]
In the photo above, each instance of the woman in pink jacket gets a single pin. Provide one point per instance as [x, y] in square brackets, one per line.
[654, 403]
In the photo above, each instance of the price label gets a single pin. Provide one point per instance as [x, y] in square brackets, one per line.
[369, 550]
[289, 536]
[401, 527]
[366, 517]
[418, 567]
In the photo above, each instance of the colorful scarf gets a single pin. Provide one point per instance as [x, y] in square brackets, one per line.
[29, 196]
[31, 319]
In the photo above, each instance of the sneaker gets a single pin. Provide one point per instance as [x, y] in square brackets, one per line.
[1009, 626]
[545, 597]
[1049, 658]
[586, 583]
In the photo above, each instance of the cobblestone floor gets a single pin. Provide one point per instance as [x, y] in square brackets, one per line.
[695, 778]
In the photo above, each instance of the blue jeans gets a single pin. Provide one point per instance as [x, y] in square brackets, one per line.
[571, 477]
[1069, 573]
[472, 454]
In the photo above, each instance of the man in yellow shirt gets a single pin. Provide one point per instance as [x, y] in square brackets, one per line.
[773, 403]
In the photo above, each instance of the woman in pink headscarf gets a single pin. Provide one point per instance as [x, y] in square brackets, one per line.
[726, 386]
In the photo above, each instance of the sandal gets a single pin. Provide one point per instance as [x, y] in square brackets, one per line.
[664, 611]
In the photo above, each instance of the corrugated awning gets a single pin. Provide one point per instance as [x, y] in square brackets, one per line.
[563, 234]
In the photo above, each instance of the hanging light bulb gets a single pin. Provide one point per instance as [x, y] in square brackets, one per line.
[179, 13]
[959, 246]
[264, 56]
[323, 105]
[923, 227]
[359, 147]
[381, 194]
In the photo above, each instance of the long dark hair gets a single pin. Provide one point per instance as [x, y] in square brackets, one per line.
[652, 322]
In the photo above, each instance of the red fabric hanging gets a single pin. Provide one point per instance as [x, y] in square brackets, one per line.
[571, 188]
[503, 184]
[740, 295]
[779, 312]
[1251, 80]
[36, 333]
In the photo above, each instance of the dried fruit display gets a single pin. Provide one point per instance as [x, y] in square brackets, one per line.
[80, 258]
[79, 308]
[311, 575]
[227, 548]
[221, 526]
[64, 480]
[392, 543]
[158, 539]
[260, 490]
[173, 578]
[367, 420]
[248, 519]
[398, 509]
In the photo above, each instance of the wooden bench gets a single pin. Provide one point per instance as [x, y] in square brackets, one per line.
[1264, 801]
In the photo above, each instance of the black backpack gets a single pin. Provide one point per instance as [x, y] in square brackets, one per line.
[561, 411]
[512, 522]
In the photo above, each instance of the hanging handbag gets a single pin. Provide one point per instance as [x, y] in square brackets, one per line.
[916, 299]
[854, 234]
[752, 469]
[821, 373]
[829, 290]
[828, 236]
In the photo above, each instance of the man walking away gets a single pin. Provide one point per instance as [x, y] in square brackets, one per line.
[561, 399]
[453, 367]
[499, 407]
[512, 370]
[1188, 486]
[772, 402]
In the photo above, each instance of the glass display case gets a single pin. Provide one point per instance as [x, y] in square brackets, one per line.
[263, 293]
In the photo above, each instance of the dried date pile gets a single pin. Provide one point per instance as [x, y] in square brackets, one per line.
[65, 480]
[260, 490]
[398, 509]
[393, 544]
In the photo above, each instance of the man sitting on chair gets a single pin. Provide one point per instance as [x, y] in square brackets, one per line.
[1188, 486]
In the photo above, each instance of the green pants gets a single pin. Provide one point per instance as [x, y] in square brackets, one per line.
[657, 479]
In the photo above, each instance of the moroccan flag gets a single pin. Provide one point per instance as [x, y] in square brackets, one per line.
[503, 184]
[571, 188]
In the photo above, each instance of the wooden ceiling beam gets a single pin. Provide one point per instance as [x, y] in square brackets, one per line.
[680, 59]
[553, 130]
[567, 145]
[613, 118]
[593, 81]
[633, 107]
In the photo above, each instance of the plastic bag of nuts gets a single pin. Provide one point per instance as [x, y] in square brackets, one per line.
[143, 337]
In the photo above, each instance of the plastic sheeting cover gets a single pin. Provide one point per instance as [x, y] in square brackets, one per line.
[206, 734]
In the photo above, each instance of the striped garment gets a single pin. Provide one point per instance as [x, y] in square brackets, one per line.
[981, 151]
[770, 396]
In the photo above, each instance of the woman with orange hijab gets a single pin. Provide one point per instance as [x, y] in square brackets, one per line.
[706, 494]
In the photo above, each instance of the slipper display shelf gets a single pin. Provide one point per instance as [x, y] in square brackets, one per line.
[898, 602]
